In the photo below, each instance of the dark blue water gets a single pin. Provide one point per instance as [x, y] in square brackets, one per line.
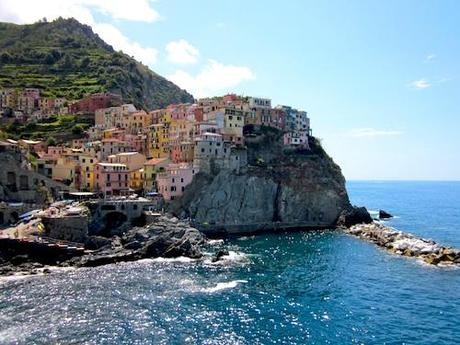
[303, 288]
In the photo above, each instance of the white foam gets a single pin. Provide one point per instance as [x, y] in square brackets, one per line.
[232, 258]
[182, 259]
[214, 242]
[223, 286]
[38, 272]
[245, 238]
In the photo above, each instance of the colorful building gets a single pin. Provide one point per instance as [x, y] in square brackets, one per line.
[172, 182]
[151, 168]
[111, 179]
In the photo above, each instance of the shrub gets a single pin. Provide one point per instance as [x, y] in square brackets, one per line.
[77, 129]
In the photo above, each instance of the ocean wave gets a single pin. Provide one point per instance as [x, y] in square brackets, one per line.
[245, 238]
[182, 259]
[223, 286]
[233, 257]
[214, 242]
[38, 272]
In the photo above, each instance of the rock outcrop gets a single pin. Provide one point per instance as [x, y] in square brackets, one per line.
[384, 215]
[280, 187]
[166, 237]
[352, 216]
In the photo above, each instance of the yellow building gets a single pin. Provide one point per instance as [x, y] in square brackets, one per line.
[135, 122]
[136, 179]
[151, 168]
[65, 171]
[87, 164]
[133, 160]
[159, 139]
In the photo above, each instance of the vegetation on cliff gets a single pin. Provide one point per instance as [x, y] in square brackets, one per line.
[65, 58]
[59, 128]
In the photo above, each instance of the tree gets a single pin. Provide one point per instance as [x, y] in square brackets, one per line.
[51, 141]
[85, 62]
[77, 129]
[5, 57]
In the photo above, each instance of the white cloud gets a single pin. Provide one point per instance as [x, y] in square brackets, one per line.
[420, 84]
[182, 52]
[430, 58]
[24, 11]
[213, 78]
[115, 37]
[372, 132]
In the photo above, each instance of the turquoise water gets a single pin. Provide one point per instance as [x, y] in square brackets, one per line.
[302, 288]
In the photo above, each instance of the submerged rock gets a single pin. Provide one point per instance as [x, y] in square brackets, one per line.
[219, 255]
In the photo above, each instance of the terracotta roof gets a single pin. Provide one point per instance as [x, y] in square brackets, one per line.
[155, 161]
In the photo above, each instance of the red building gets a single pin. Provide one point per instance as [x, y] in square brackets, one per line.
[91, 103]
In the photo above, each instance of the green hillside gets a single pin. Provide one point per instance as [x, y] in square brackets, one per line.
[65, 58]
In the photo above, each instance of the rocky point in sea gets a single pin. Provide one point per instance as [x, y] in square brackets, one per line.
[280, 188]
[405, 244]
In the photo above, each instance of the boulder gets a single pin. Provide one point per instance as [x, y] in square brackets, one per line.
[218, 256]
[384, 215]
[352, 216]
[164, 238]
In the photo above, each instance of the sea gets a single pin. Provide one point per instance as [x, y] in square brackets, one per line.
[293, 288]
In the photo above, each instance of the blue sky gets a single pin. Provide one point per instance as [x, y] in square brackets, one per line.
[380, 79]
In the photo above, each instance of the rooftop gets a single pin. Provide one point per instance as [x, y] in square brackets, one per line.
[112, 165]
[155, 161]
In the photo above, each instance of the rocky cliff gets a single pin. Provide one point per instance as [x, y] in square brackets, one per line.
[281, 188]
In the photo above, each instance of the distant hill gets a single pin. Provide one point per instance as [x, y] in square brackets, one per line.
[65, 58]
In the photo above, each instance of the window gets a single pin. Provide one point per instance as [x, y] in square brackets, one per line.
[183, 188]
[135, 207]
[202, 150]
[182, 180]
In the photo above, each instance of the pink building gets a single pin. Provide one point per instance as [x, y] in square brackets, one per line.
[172, 182]
[55, 151]
[111, 178]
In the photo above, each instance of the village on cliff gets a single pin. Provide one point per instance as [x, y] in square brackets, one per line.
[130, 150]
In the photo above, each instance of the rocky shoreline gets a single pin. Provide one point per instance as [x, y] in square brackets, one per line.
[166, 237]
[405, 244]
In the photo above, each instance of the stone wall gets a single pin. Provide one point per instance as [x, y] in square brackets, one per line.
[18, 183]
[69, 228]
